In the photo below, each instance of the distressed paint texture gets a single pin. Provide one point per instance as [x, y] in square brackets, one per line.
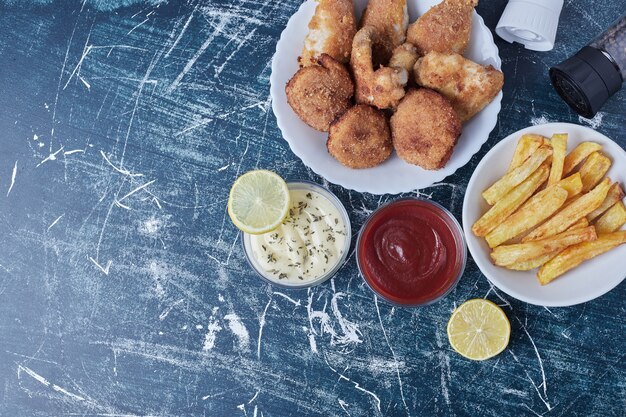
[123, 287]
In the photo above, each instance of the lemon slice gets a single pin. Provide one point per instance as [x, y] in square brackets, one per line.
[479, 329]
[258, 202]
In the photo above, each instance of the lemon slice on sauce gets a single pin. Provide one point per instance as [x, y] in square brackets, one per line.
[258, 202]
[479, 329]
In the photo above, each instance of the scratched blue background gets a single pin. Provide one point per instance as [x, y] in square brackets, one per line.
[123, 287]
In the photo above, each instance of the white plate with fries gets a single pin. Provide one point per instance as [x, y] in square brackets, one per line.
[393, 176]
[554, 234]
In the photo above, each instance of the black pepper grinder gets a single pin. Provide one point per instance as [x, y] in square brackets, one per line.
[586, 80]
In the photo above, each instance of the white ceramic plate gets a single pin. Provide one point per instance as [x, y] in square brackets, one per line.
[393, 176]
[584, 283]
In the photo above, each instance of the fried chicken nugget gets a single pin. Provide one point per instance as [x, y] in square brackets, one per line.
[425, 129]
[382, 88]
[360, 138]
[330, 32]
[404, 56]
[446, 27]
[391, 19]
[469, 86]
[319, 94]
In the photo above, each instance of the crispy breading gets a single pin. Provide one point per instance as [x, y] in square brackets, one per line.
[446, 27]
[330, 32]
[404, 56]
[319, 94]
[469, 86]
[382, 88]
[391, 19]
[425, 129]
[360, 138]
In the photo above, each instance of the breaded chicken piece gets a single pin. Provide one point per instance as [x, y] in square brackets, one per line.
[469, 86]
[360, 138]
[391, 18]
[330, 32]
[425, 129]
[446, 27]
[404, 56]
[319, 94]
[382, 88]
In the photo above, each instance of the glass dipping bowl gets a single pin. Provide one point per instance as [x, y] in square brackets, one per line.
[451, 226]
[304, 186]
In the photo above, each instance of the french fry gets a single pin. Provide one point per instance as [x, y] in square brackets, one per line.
[572, 184]
[559, 146]
[571, 213]
[552, 222]
[520, 252]
[537, 262]
[580, 224]
[510, 202]
[612, 220]
[538, 208]
[532, 263]
[577, 254]
[510, 180]
[593, 170]
[579, 153]
[526, 146]
[614, 195]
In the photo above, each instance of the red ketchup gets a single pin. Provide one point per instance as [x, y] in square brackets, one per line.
[411, 252]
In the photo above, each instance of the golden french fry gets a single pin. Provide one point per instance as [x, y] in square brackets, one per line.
[505, 184]
[612, 220]
[520, 252]
[614, 195]
[538, 208]
[572, 184]
[580, 224]
[579, 153]
[571, 213]
[559, 146]
[577, 254]
[593, 170]
[526, 146]
[537, 262]
[532, 263]
[510, 202]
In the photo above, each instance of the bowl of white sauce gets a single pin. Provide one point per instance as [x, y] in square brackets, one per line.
[309, 246]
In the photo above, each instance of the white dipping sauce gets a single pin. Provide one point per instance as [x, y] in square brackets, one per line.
[308, 243]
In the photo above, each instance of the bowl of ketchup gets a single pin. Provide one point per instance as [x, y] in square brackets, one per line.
[411, 252]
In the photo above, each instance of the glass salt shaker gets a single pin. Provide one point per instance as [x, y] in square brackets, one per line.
[586, 80]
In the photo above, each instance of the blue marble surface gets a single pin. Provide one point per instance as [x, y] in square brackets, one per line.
[123, 287]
